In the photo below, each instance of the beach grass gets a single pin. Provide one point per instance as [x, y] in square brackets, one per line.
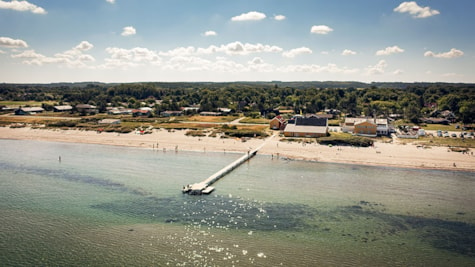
[214, 119]
[254, 120]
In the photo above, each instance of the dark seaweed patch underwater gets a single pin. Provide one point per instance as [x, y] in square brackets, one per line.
[226, 212]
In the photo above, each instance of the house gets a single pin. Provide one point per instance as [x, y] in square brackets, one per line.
[207, 113]
[86, 109]
[28, 111]
[191, 110]
[225, 111]
[448, 115]
[307, 127]
[118, 111]
[325, 115]
[277, 123]
[171, 113]
[63, 108]
[141, 113]
[109, 121]
[366, 128]
[435, 121]
[381, 126]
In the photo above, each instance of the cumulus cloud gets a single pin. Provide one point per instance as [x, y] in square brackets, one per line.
[128, 31]
[279, 17]
[22, 6]
[377, 69]
[73, 57]
[110, 1]
[137, 54]
[84, 46]
[256, 61]
[453, 53]
[296, 51]
[348, 52]
[250, 16]
[398, 72]
[234, 48]
[179, 51]
[320, 29]
[210, 33]
[313, 68]
[389, 50]
[12, 43]
[244, 49]
[415, 10]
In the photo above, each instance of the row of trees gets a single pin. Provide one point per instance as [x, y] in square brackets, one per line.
[413, 101]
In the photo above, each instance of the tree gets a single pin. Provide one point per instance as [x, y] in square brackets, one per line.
[467, 111]
[412, 112]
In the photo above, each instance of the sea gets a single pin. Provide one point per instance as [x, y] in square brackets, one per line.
[68, 204]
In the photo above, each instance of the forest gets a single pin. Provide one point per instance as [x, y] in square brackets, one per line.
[412, 101]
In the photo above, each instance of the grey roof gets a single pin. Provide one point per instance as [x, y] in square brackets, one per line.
[32, 109]
[312, 121]
[305, 129]
[65, 107]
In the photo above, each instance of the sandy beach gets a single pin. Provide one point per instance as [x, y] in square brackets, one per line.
[382, 154]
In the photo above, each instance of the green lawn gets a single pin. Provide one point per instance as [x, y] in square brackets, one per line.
[435, 127]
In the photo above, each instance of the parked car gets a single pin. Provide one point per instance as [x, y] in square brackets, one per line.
[454, 135]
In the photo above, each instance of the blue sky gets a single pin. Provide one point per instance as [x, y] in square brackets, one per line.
[241, 40]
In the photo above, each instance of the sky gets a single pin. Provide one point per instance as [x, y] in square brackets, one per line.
[237, 40]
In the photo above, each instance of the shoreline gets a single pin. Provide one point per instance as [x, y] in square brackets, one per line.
[381, 154]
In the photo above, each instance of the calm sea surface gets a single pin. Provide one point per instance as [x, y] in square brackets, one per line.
[120, 206]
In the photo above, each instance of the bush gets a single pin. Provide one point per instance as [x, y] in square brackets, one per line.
[195, 133]
[66, 123]
[346, 141]
[245, 133]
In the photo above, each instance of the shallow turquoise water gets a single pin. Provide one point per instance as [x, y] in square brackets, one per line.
[109, 206]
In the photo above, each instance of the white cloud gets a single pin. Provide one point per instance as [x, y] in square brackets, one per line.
[84, 46]
[244, 49]
[22, 6]
[256, 61]
[389, 50]
[250, 16]
[73, 58]
[179, 51]
[110, 1]
[296, 51]
[348, 52]
[321, 29]
[415, 10]
[329, 68]
[279, 17]
[210, 33]
[12, 43]
[398, 72]
[452, 75]
[128, 31]
[125, 58]
[234, 48]
[379, 68]
[453, 53]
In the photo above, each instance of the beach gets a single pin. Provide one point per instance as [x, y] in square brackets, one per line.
[381, 154]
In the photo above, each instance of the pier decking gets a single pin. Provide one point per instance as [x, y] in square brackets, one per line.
[205, 187]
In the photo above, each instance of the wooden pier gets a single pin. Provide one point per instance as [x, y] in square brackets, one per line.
[205, 187]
